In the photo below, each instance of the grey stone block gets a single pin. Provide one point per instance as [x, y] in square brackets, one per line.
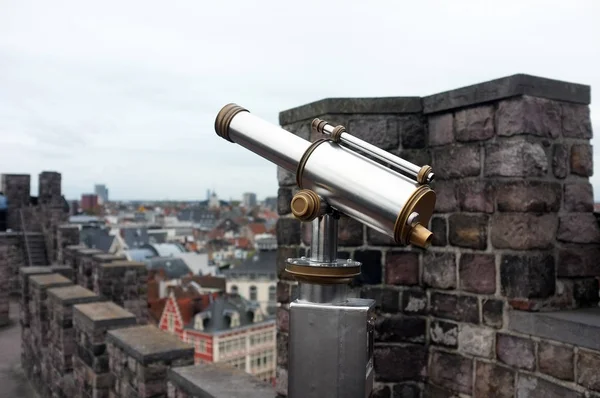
[389, 105]
[147, 344]
[218, 381]
[102, 315]
[507, 87]
[578, 327]
[71, 295]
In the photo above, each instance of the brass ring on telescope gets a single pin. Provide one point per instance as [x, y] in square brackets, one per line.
[224, 118]
[421, 201]
[304, 159]
[317, 125]
[423, 173]
[336, 134]
[322, 275]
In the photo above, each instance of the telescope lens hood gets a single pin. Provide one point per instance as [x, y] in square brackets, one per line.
[224, 118]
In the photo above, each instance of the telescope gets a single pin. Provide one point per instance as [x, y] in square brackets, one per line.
[330, 351]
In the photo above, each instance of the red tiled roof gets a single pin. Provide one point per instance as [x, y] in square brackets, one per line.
[257, 228]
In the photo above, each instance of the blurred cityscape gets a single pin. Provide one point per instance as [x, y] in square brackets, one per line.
[212, 270]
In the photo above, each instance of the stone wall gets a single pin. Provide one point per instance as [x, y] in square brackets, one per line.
[514, 231]
[49, 187]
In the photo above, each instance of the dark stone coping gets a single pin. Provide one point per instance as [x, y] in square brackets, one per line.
[103, 314]
[149, 344]
[17, 234]
[88, 252]
[61, 268]
[214, 380]
[493, 90]
[123, 263]
[383, 105]
[579, 327]
[49, 280]
[36, 270]
[105, 257]
[506, 87]
[71, 295]
[68, 226]
[76, 247]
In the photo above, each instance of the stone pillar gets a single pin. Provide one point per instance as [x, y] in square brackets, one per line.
[17, 189]
[67, 235]
[125, 283]
[90, 363]
[140, 358]
[513, 226]
[70, 257]
[39, 337]
[49, 188]
[62, 335]
[64, 270]
[4, 285]
[12, 259]
[85, 267]
[51, 217]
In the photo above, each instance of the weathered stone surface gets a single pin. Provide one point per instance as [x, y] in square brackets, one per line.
[579, 197]
[402, 268]
[300, 128]
[468, 230]
[439, 270]
[560, 160]
[528, 115]
[527, 275]
[451, 371]
[578, 261]
[412, 131]
[477, 273]
[515, 351]
[534, 387]
[400, 328]
[283, 253]
[588, 364]
[419, 157]
[475, 124]
[288, 231]
[476, 196]
[283, 319]
[578, 228]
[455, 307]
[400, 363]
[555, 360]
[447, 198]
[576, 121]
[440, 231]
[285, 178]
[507, 87]
[381, 131]
[493, 381]
[492, 312]
[476, 340]
[515, 158]
[523, 231]
[350, 232]
[444, 333]
[457, 162]
[582, 160]
[390, 299]
[381, 391]
[406, 390]
[586, 292]
[529, 196]
[441, 129]
[376, 238]
[284, 198]
[414, 301]
[431, 391]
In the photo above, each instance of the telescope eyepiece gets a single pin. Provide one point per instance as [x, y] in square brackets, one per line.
[224, 118]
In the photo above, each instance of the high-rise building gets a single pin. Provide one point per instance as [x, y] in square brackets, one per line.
[102, 192]
[249, 200]
[89, 202]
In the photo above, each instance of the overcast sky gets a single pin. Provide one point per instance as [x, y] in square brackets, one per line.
[125, 92]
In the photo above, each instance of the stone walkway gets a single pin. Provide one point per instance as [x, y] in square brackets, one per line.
[13, 383]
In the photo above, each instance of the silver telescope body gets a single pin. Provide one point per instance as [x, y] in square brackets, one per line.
[373, 194]
[330, 351]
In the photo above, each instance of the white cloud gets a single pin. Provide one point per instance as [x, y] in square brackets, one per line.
[125, 93]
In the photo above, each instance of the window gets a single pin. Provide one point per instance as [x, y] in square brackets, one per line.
[171, 322]
[272, 293]
[253, 293]
[233, 289]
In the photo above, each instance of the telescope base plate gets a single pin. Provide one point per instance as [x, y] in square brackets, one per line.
[319, 272]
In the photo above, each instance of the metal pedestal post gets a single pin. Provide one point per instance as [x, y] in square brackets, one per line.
[331, 334]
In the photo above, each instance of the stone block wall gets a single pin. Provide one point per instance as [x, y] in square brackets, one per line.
[66, 235]
[49, 187]
[85, 267]
[513, 228]
[140, 358]
[126, 284]
[4, 285]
